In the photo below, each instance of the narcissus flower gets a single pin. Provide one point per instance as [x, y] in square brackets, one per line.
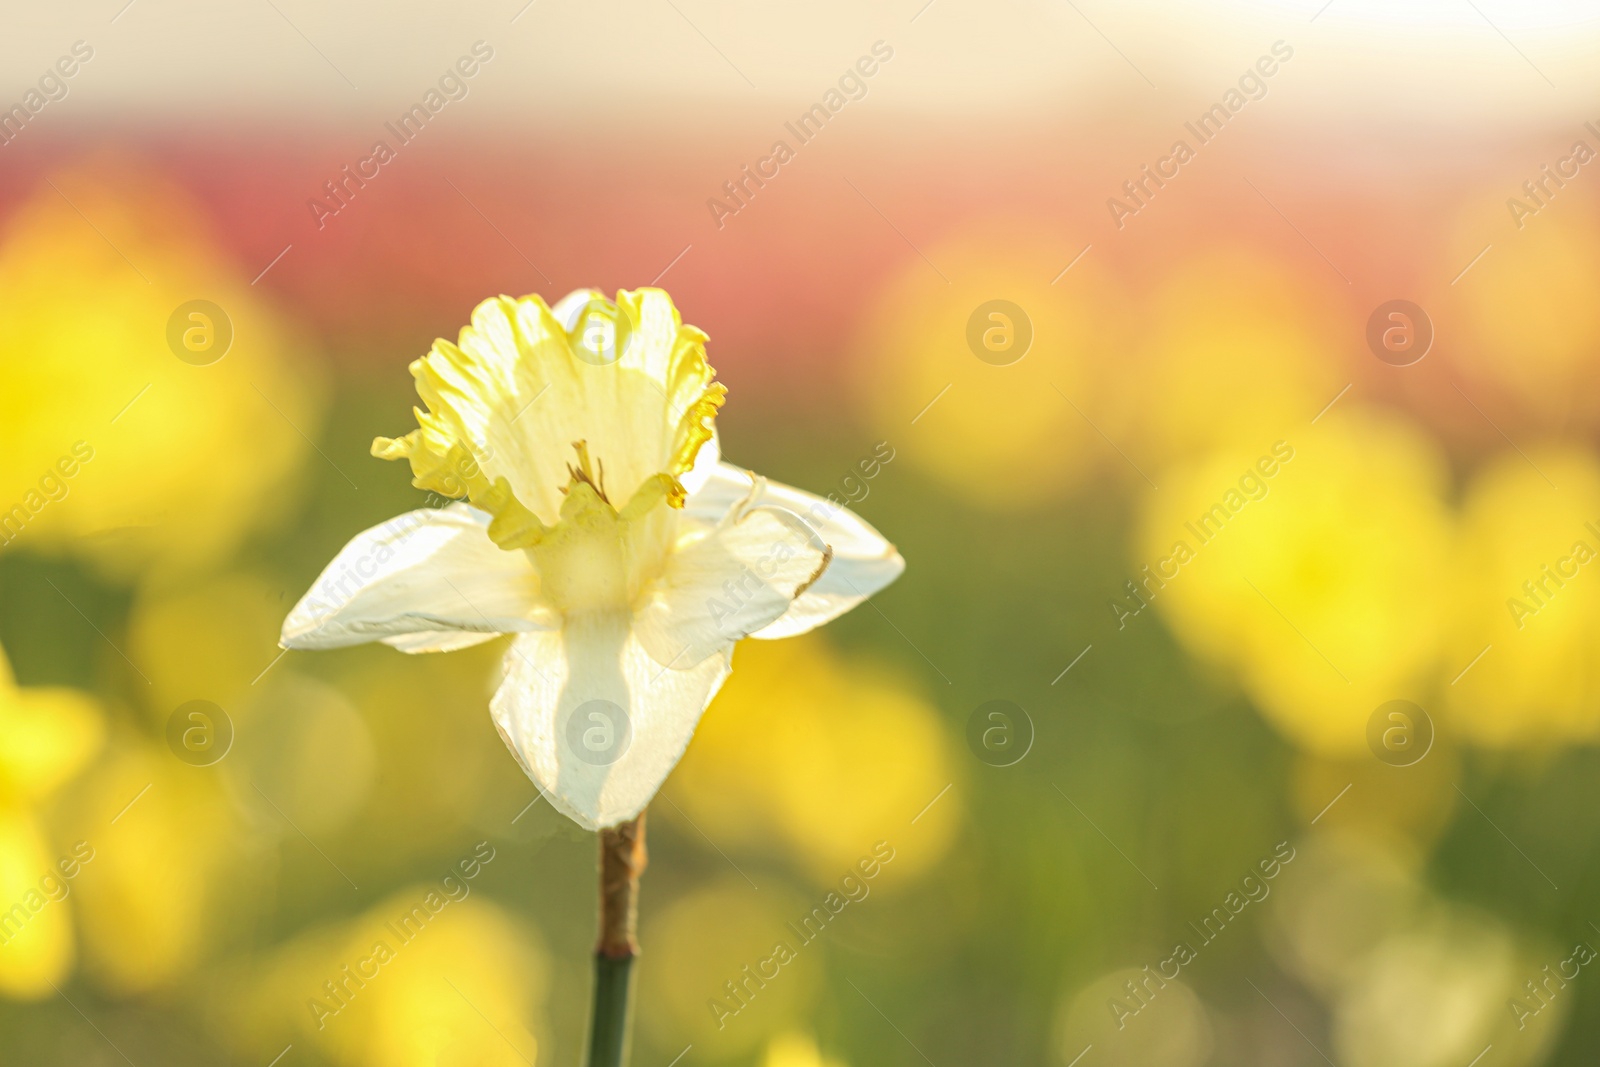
[601, 528]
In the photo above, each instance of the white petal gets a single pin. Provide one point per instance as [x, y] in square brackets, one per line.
[594, 720]
[727, 582]
[437, 640]
[426, 581]
[863, 561]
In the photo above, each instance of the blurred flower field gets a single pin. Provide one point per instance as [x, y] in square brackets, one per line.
[1198, 536]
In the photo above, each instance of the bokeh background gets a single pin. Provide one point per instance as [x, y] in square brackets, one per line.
[1197, 754]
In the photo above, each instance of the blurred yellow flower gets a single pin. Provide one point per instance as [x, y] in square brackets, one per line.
[1410, 980]
[114, 445]
[1528, 602]
[1526, 318]
[1321, 582]
[47, 735]
[806, 754]
[312, 752]
[1347, 893]
[714, 974]
[434, 975]
[1236, 353]
[1435, 994]
[36, 940]
[165, 842]
[1172, 1027]
[796, 1050]
[463, 992]
[978, 394]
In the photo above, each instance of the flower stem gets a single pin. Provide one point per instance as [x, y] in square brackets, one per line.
[622, 860]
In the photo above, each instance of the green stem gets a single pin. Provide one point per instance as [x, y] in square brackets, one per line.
[608, 1037]
[622, 860]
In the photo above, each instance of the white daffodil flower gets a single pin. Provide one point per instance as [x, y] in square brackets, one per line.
[601, 529]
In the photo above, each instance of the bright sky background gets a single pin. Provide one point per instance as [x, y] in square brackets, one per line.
[1501, 62]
